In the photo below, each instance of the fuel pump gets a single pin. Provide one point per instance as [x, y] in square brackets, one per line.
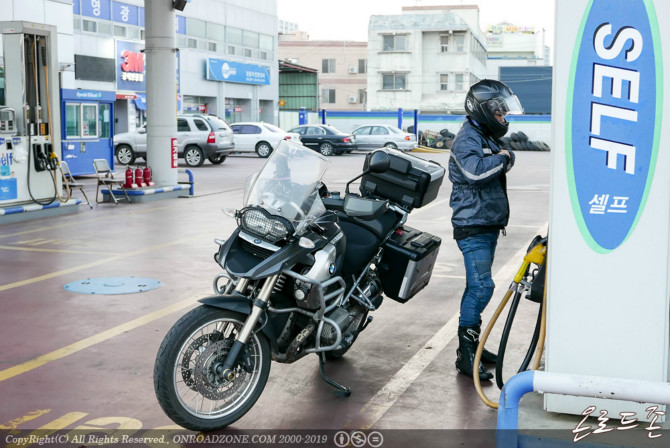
[31, 80]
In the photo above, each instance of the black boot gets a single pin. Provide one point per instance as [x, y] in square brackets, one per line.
[468, 339]
[487, 356]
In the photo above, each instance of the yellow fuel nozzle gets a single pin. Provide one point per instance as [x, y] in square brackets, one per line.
[535, 255]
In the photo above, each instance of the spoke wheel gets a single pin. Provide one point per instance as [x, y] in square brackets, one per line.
[326, 149]
[125, 155]
[194, 156]
[263, 149]
[217, 160]
[188, 372]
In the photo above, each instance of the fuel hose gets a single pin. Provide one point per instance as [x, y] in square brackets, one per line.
[536, 255]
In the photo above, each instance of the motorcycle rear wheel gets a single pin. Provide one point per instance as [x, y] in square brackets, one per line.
[187, 378]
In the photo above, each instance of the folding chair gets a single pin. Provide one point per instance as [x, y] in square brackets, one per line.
[107, 179]
[70, 181]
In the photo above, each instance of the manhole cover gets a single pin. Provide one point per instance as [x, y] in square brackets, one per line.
[113, 285]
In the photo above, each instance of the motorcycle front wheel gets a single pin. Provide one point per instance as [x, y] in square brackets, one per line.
[187, 373]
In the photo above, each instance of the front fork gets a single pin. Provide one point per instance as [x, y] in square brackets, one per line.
[261, 303]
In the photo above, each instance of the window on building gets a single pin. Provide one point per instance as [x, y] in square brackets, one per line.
[459, 82]
[76, 23]
[263, 55]
[460, 43]
[328, 96]
[119, 31]
[191, 43]
[142, 32]
[395, 43]
[247, 53]
[104, 120]
[196, 28]
[444, 44]
[327, 65]
[133, 33]
[234, 35]
[72, 125]
[181, 41]
[250, 39]
[266, 42]
[211, 46]
[89, 26]
[362, 66]
[216, 32]
[395, 81]
[362, 96]
[444, 82]
[89, 120]
[105, 28]
[231, 49]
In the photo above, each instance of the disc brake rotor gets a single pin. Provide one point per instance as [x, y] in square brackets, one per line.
[208, 371]
[197, 346]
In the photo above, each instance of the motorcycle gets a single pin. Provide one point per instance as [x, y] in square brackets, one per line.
[301, 274]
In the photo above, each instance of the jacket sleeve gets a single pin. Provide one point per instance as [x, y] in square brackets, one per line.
[476, 167]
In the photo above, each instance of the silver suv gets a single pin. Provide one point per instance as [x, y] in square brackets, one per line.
[198, 137]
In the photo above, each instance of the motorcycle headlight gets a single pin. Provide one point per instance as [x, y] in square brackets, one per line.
[262, 224]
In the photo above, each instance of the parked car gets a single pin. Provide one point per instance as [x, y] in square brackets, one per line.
[262, 138]
[380, 135]
[325, 139]
[198, 137]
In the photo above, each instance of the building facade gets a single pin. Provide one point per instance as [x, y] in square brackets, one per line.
[515, 46]
[226, 58]
[424, 59]
[342, 67]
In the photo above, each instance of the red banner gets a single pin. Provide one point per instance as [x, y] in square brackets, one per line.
[175, 154]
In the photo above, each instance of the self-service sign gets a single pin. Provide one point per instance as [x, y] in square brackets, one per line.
[613, 119]
[175, 152]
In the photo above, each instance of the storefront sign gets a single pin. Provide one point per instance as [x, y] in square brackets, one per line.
[98, 9]
[613, 119]
[125, 13]
[8, 188]
[175, 153]
[130, 68]
[222, 70]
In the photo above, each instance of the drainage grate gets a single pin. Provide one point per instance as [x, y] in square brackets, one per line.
[113, 285]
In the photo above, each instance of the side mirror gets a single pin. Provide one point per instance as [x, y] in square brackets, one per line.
[142, 130]
[379, 162]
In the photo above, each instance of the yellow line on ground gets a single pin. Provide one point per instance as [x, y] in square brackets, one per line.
[94, 263]
[65, 251]
[95, 339]
[80, 221]
[32, 415]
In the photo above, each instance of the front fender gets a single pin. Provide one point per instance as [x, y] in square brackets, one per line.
[242, 305]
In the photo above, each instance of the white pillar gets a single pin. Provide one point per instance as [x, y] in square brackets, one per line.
[161, 89]
[609, 232]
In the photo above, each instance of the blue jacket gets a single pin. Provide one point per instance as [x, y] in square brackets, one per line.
[477, 171]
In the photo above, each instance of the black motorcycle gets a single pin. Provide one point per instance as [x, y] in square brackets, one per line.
[302, 271]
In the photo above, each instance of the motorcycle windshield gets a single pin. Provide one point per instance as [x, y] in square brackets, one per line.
[288, 184]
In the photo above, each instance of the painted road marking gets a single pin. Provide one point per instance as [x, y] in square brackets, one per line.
[387, 396]
[97, 338]
[32, 415]
[97, 263]
[63, 251]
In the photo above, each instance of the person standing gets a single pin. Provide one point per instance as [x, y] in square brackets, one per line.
[477, 169]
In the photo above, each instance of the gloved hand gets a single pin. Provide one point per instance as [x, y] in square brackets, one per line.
[509, 154]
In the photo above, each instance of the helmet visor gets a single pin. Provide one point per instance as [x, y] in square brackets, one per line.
[505, 106]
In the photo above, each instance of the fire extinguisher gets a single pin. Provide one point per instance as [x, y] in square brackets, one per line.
[129, 179]
[147, 176]
[139, 177]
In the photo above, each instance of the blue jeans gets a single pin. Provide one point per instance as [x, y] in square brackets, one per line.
[478, 252]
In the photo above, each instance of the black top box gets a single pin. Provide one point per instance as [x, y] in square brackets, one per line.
[410, 181]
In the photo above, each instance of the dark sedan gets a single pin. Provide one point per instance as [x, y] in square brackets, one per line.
[325, 139]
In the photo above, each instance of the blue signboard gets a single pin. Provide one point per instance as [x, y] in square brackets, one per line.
[613, 121]
[92, 95]
[130, 66]
[98, 9]
[141, 14]
[76, 6]
[124, 13]
[222, 70]
[180, 24]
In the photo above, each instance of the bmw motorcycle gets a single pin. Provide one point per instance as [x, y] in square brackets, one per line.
[301, 274]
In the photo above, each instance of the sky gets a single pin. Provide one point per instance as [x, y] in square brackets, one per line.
[348, 19]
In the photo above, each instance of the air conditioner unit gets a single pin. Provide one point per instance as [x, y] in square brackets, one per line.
[352, 99]
[353, 69]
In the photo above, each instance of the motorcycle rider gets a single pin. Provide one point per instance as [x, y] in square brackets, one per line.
[477, 169]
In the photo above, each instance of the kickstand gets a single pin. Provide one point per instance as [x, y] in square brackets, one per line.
[340, 390]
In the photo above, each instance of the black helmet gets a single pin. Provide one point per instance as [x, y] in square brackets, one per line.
[487, 98]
